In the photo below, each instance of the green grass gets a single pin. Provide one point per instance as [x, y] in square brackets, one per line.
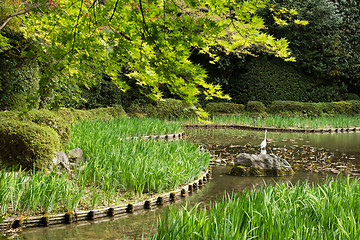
[278, 121]
[125, 127]
[326, 211]
[116, 169]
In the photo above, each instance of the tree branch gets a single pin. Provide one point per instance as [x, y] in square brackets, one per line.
[18, 12]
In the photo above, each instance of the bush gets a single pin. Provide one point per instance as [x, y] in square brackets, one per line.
[98, 113]
[43, 117]
[355, 107]
[27, 144]
[255, 107]
[286, 107]
[172, 108]
[352, 96]
[342, 107]
[224, 107]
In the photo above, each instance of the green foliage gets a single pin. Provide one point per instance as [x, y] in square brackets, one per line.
[19, 83]
[43, 117]
[137, 166]
[172, 108]
[78, 42]
[27, 144]
[302, 211]
[268, 79]
[286, 121]
[339, 108]
[326, 47]
[224, 107]
[255, 107]
[353, 96]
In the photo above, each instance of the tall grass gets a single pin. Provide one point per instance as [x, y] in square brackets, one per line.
[326, 211]
[279, 121]
[36, 192]
[116, 169]
[124, 127]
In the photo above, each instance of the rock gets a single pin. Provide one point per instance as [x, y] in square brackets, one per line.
[76, 156]
[260, 165]
[60, 162]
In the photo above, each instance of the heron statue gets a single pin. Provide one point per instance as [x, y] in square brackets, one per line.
[263, 145]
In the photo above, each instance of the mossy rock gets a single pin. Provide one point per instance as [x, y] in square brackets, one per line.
[260, 165]
[27, 144]
[248, 171]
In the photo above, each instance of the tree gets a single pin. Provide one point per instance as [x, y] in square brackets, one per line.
[328, 47]
[77, 41]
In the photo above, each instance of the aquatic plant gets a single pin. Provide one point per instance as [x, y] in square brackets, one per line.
[116, 169]
[278, 121]
[302, 211]
[122, 128]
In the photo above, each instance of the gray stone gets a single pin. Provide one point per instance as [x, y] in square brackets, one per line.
[76, 156]
[260, 165]
[60, 162]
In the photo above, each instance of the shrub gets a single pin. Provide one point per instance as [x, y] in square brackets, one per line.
[286, 107]
[342, 107]
[352, 96]
[43, 117]
[255, 107]
[172, 108]
[224, 107]
[355, 107]
[27, 144]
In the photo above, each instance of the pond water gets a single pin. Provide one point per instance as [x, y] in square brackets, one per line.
[343, 147]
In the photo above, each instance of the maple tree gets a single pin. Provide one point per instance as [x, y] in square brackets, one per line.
[150, 41]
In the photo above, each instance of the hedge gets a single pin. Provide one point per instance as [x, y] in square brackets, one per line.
[342, 107]
[255, 107]
[224, 108]
[27, 144]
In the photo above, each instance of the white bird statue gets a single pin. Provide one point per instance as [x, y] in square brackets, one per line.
[263, 145]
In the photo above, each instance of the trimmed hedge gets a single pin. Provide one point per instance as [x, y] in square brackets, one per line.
[27, 144]
[224, 108]
[255, 107]
[43, 117]
[166, 108]
[341, 107]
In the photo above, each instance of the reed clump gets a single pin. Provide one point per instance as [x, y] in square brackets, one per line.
[279, 121]
[303, 211]
[117, 169]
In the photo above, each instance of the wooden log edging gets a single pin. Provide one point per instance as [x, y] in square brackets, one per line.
[271, 129]
[118, 210]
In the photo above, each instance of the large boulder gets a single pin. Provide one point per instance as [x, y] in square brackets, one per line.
[260, 165]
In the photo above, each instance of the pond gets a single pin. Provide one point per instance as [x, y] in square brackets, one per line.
[344, 148]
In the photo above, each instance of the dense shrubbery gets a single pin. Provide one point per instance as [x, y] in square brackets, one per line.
[255, 107]
[342, 107]
[34, 137]
[19, 82]
[166, 108]
[224, 107]
[27, 144]
[270, 79]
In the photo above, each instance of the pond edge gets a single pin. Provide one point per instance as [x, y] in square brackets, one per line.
[272, 129]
